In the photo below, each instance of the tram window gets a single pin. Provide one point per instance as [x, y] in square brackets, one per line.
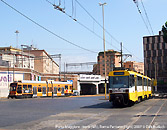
[119, 81]
[55, 90]
[145, 82]
[39, 89]
[70, 87]
[19, 89]
[62, 90]
[12, 88]
[66, 87]
[139, 81]
[30, 88]
[25, 89]
[149, 83]
[59, 89]
[44, 90]
[132, 80]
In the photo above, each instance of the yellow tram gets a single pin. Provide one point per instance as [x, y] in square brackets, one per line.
[127, 87]
[27, 88]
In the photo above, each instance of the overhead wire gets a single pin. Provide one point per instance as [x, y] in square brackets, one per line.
[136, 3]
[147, 17]
[84, 25]
[47, 29]
[105, 29]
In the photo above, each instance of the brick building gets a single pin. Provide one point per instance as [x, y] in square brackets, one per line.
[155, 58]
[28, 65]
[112, 60]
[43, 62]
[135, 66]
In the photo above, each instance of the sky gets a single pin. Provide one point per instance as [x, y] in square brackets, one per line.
[80, 40]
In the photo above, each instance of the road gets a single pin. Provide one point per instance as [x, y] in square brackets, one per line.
[81, 113]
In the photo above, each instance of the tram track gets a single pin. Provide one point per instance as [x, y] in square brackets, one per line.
[151, 123]
[131, 125]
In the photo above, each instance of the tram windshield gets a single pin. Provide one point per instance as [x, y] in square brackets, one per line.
[13, 86]
[119, 81]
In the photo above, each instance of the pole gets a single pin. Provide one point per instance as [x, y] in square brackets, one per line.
[59, 67]
[121, 56]
[105, 84]
[155, 76]
[17, 38]
[13, 68]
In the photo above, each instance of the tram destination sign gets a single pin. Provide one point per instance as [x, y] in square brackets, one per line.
[118, 73]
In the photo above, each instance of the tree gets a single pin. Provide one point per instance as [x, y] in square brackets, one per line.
[164, 30]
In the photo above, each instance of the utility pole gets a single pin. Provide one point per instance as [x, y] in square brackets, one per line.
[121, 56]
[155, 76]
[105, 85]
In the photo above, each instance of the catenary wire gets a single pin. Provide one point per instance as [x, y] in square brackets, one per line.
[147, 17]
[47, 29]
[136, 3]
[86, 27]
[105, 29]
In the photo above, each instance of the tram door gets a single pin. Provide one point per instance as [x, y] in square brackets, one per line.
[136, 96]
[55, 91]
[49, 87]
[34, 91]
[62, 91]
[43, 91]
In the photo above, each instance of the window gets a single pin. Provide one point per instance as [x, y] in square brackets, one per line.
[30, 88]
[55, 90]
[62, 90]
[25, 89]
[119, 81]
[39, 89]
[43, 90]
[19, 89]
[59, 89]
[13, 86]
[139, 81]
[66, 87]
[131, 81]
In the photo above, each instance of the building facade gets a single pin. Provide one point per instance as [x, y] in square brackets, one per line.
[155, 58]
[43, 62]
[112, 60]
[135, 66]
[16, 58]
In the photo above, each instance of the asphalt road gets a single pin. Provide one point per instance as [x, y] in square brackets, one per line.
[81, 113]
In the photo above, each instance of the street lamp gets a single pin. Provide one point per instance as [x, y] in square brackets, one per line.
[105, 85]
[17, 32]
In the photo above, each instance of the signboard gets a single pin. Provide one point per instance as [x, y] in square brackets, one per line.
[90, 77]
[118, 73]
[5, 79]
[70, 81]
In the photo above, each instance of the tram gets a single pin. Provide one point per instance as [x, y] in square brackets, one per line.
[127, 87]
[25, 88]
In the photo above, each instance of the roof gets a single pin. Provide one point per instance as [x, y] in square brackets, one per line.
[44, 52]
[10, 49]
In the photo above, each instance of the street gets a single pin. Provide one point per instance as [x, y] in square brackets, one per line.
[81, 113]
